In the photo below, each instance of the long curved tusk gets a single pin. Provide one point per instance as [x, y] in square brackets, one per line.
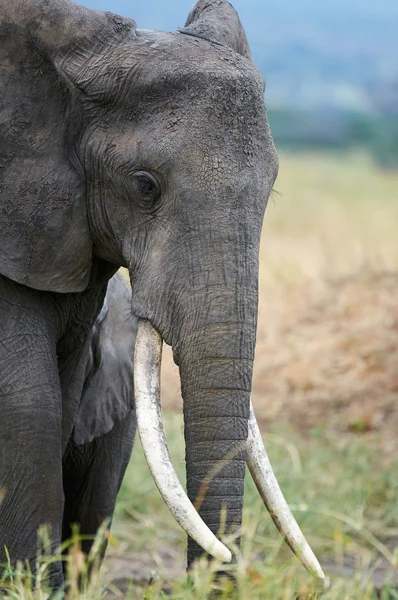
[147, 361]
[274, 500]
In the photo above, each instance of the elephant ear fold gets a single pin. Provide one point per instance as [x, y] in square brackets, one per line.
[218, 22]
[108, 393]
[45, 241]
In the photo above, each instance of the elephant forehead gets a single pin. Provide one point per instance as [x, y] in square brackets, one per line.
[201, 84]
[210, 112]
[160, 66]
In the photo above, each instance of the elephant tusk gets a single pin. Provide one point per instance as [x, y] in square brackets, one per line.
[147, 362]
[265, 480]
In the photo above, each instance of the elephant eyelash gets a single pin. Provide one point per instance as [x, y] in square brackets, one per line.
[274, 195]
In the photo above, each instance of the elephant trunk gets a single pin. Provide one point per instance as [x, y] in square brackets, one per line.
[216, 371]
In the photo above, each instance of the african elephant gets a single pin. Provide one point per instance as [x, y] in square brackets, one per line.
[151, 151]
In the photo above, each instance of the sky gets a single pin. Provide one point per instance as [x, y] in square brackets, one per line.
[151, 14]
[255, 14]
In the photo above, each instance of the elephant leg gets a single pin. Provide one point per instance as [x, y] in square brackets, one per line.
[30, 428]
[92, 476]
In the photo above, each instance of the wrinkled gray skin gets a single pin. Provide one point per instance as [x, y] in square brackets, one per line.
[87, 102]
[78, 482]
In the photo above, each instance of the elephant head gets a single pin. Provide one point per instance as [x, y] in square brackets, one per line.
[152, 151]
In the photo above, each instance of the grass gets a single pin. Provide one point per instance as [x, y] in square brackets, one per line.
[326, 393]
[331, 216]
[328, 321]
[345, 503]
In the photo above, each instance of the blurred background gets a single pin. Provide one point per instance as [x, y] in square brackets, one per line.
[326, 371]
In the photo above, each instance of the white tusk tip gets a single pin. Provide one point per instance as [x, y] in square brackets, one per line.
[223, 554]
[316, 571]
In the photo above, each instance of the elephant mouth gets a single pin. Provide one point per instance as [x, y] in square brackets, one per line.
[147, 364]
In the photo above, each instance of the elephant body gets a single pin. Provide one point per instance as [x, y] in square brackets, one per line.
[122, 147]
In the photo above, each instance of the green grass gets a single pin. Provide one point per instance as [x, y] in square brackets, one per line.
[344, 500]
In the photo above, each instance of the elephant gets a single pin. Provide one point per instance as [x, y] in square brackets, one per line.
[147, 150]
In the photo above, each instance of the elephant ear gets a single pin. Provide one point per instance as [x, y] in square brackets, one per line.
[44, 233]
[108, 393]
[218, 22]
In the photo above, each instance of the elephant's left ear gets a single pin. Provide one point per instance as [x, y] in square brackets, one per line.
[218, 22]
[108, 393]
[45, 241]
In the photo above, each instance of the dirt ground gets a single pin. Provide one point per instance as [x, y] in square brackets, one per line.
[327, 354]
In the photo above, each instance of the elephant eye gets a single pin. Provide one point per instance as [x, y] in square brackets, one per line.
[147, 185]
